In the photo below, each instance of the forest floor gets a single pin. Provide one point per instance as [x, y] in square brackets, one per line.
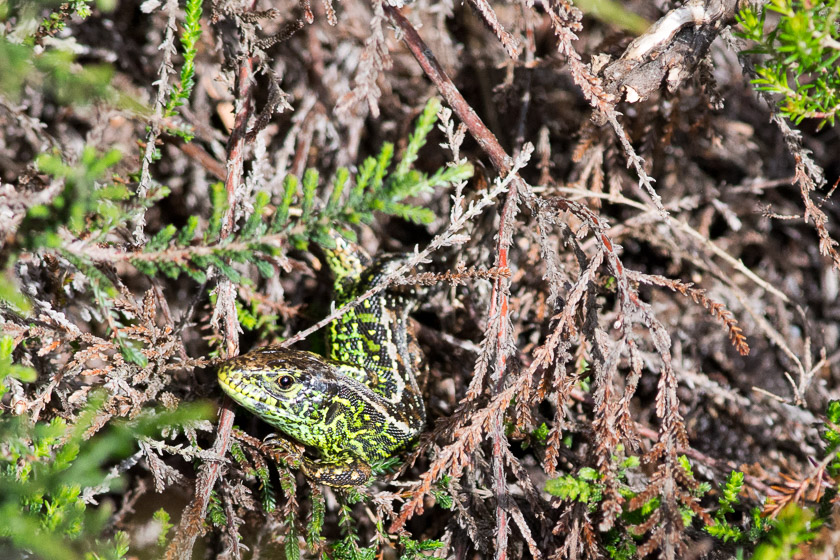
[632, 295]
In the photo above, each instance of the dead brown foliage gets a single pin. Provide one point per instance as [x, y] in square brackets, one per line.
[545, 305]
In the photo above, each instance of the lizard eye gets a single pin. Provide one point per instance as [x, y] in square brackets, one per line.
[286, 381]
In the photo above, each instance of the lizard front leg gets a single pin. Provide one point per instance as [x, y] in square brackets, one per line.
[345, 471]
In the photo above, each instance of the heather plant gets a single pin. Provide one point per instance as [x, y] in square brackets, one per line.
[53, 473]
[798, 57]
[626, 271]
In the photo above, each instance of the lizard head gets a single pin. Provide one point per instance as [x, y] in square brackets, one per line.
[289, 389]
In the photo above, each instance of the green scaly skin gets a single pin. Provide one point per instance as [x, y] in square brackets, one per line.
[359, 406]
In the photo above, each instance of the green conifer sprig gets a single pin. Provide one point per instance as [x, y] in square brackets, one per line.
[54, 72]
[831, 436]
[10, 369]
[86, 209]
[45, 467]
[373, 189]
[189, 42]
[799, 57]
[191, 251]
[315, 526]
[727, 501]
[80, 199]
[305, 212]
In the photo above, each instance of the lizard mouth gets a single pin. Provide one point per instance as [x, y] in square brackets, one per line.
[245, 389]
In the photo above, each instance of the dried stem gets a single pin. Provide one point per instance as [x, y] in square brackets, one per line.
[193, 517]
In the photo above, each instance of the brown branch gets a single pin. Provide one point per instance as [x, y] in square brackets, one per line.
[423, 54]
[808, 175]
[459, 277]
[192, 519]
[180, 255]
[793, 489]
[716, 309]
[669, 52]
[507, 40]
[499, 306]
[200, 155]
